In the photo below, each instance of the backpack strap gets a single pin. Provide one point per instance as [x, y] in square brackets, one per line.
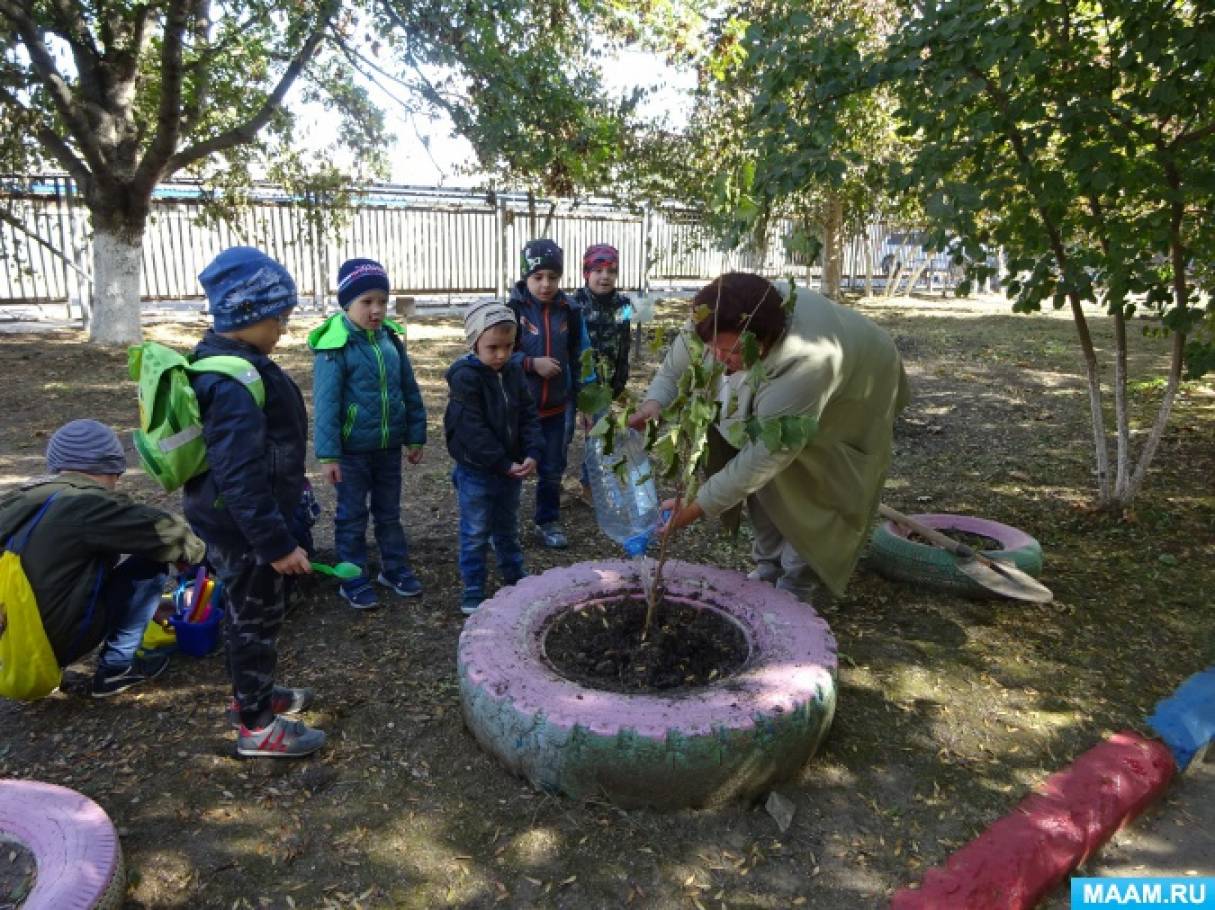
[17, 548]
[234, 368]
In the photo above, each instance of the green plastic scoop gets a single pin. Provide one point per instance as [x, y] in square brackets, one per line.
[343, 570]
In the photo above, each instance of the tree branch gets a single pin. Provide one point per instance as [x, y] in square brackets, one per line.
[53, 143]
[9, 218]
[1193, 135]
[84, 51]
[168, 117]
[126, 62]
[248, 130]
[200, 69]
[55, 84]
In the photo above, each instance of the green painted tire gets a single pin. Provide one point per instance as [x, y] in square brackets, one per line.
[732, 739]
[896, 557]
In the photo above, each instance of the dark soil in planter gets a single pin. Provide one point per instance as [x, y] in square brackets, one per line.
[601, 647]
[974, 541]
[17, 873]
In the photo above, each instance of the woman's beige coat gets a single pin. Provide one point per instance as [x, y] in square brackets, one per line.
[835, 365]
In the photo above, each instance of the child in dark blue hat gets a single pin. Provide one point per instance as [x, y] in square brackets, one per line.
[368, 408]
[242, 506]
[549, 342]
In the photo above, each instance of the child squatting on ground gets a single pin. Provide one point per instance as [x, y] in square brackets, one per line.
[551, 338]
[607, 315]
[71, 531]
[242, 506]
[367, 407]
[493, 435]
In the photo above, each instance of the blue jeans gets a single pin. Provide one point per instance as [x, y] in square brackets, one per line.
[557, 430]
[489, 510]
[129, 595]
[374, 476]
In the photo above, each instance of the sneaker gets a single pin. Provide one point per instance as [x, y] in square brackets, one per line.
[359, 593]
[403, 581]
[471, 600]
[281, 738]
[150, 666]
[551, 536]
[283, 701]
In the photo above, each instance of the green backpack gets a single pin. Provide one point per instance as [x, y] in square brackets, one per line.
[169, 439]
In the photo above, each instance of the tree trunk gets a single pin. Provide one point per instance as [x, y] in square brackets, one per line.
[1148, 452]
[867, 247]
[116, 304]
[833, 241]
[1122, 421]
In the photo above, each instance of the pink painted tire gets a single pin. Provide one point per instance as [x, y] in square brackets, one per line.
[732, 739]
[898, 558]
[74, 843]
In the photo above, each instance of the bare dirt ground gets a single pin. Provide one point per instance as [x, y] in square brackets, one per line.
[949, 710]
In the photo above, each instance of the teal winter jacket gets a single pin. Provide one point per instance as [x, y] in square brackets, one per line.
[364, 394]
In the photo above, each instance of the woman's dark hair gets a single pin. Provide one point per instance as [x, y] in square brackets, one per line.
[741, 302]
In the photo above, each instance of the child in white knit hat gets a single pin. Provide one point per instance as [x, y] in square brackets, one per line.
[493, 435]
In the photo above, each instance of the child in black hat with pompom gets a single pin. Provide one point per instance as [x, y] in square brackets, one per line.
[549, 343]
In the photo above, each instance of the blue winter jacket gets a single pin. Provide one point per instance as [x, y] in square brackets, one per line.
[256, 457]
[552, 329]
[364, 395]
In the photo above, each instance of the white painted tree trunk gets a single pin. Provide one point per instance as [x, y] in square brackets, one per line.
[116, 265]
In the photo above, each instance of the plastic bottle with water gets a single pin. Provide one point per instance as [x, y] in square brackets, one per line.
[626, 507]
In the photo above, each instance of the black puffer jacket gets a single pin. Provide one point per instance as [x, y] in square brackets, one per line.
[257, 456]
[491, 421]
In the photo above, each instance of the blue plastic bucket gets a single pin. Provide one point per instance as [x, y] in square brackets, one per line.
[198, 639]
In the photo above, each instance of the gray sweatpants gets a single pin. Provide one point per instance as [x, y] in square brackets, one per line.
[777, 563]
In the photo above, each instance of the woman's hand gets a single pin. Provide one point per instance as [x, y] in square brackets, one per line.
[414, 454]
[680, 517]
[332, 472]
[646, 411]
[547, 367]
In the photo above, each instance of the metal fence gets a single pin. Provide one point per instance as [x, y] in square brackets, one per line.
[430, 240]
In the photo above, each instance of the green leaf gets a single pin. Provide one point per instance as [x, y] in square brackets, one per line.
[594, 398]
[736, 434]
[750, 349]
[770, 433]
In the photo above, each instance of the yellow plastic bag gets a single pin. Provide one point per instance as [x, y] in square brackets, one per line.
[157, 636]
[28, 668]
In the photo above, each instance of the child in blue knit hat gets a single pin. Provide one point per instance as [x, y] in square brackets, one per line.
[242, 506]
[367, 407]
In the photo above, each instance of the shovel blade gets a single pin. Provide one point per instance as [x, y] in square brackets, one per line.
[1006, 580]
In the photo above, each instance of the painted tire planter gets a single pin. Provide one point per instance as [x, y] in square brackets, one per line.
[732, 739]
[893, 555]
[74, 844]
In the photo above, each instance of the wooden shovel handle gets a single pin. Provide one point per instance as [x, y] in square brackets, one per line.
[932, 534]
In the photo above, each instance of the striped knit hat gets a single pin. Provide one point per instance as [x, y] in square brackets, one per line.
[86, 446]
[357, 276]
[598, 255]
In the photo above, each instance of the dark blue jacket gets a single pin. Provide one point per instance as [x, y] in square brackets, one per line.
[256, 457]
[364, 393]
[549, 330]
[491, 420]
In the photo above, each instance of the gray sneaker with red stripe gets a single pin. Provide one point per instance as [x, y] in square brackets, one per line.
[281, 738]
[284, 701]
